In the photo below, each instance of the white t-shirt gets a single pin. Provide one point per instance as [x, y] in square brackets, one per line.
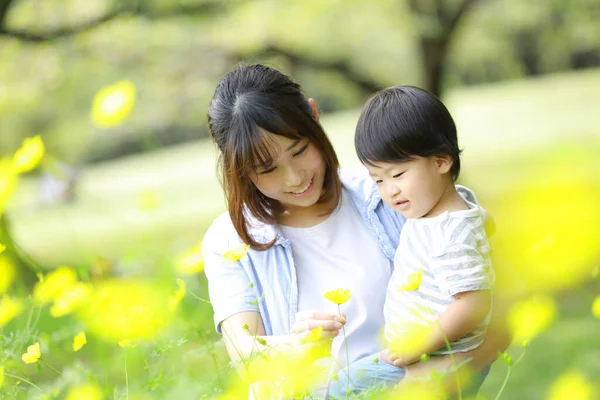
[341, 253]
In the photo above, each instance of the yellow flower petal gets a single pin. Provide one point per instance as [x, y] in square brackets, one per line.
[79, 341]
[412, 282]
[338, 296]
[8, 182]
[9, 309]
[191, 262]
[71, 299]
[113, 104]
[314, 335]
[7, 273]
[178, 296]
[596, 307]
[29, 155]
[88, 391]
[530, 317]
[54, 284]
[33, 353]
[237, 253]
[571, 386]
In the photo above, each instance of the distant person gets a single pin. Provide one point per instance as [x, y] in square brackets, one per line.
[310, 227]
[440, 289]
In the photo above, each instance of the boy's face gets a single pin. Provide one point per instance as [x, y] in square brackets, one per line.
[414, 187]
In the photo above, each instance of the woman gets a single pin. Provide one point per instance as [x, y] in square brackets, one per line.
[310, 228]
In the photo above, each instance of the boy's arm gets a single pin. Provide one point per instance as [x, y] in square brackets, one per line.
[460, 318]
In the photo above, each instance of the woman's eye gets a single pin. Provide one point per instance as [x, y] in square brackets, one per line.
[301, 150]
[399, 175]
[266, 171]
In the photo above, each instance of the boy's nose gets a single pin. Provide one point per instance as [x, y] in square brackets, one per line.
[393, 190]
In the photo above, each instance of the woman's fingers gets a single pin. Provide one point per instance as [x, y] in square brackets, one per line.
[308, 325]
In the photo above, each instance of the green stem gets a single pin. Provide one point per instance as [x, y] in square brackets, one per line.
[504, 383]
[23, 380]
[126, 377]
[50, 366]
[454, 364]
[347, 352]
[198, 297]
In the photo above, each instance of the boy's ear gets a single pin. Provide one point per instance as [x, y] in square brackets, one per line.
[444, 163]
[314, 111]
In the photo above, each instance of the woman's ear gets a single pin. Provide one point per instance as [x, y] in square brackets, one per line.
[444, 164]
[314, 111]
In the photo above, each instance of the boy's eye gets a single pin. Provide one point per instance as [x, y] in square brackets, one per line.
[301, 150]
[378, 181]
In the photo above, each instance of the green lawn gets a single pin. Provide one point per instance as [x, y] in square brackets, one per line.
[503, 129]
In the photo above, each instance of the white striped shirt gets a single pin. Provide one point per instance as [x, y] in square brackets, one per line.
[453, 252]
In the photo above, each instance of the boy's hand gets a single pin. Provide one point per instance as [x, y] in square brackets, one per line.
[398, 360]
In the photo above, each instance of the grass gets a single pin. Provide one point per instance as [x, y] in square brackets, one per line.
[504, 128]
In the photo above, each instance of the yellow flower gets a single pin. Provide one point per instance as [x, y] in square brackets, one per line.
[409, 339]
[33, 353]
[530, 317]
[9, 309]
[176, 299]
[29, 155]
[237, 253]
[54, 284]
[88, 391]
[79, 340]
[314, 335]
[412, 282]
[71, 299]
[2, 248]
[596, 307]
[113, 104]
[8, 181]
[191, 262]
[571, 386]
[338, 296]
[7, 273]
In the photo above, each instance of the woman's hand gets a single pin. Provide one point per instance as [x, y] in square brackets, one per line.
[309, 320]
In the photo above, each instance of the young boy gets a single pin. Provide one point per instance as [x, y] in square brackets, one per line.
[439, 297]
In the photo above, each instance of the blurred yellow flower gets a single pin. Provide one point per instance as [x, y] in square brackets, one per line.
[7, 273]
[8, 181]
[125, 309]
[530, 317]
[191, 262]
[29, 155]
[9, 309]
[33, 353]
[237, 253]
[2, 248]
[147, 200]
[88, 391]
[571, 385]
[178, 296]
[412, 282]
[54, 284]
[314, 335]
[70, 300]
[1, 376]
[113, 104]
[338, 296]
[409, 339]
[125, 343]
[596, 307]
[79, 341]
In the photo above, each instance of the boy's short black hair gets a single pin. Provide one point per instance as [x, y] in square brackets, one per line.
[402, 122]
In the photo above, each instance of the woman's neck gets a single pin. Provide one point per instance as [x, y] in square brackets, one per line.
[306, 217]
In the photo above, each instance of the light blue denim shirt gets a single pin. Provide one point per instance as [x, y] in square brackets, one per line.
[265, 281]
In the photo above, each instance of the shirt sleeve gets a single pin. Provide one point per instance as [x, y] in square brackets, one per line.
[229, 286]
[463, 267]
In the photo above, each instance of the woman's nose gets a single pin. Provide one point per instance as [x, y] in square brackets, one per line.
[292, 177]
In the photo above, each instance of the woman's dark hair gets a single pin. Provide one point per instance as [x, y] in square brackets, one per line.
[249, 103]
[402, 122]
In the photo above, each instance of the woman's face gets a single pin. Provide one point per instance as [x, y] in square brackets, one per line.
[295, 178]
